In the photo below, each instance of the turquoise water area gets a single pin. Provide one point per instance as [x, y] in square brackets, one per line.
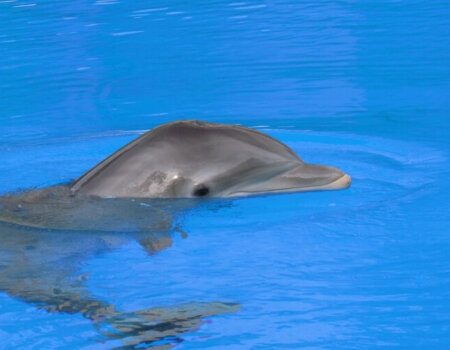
[361, 86]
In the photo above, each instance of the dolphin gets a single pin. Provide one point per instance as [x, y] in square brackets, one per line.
[47, 234]
[191, 158]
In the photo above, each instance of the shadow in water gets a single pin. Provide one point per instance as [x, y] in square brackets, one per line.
[48, 234]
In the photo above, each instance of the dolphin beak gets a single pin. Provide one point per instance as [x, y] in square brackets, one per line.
[301, 178]
[341, 183]
[310, 177]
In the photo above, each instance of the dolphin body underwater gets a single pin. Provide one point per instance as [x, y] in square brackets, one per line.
[134, 195]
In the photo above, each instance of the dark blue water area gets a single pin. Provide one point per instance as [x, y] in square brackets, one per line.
[361, 86]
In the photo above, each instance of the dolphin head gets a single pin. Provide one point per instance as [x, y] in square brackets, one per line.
[187, 159]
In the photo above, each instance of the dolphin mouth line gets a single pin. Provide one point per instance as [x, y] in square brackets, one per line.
[341, 183]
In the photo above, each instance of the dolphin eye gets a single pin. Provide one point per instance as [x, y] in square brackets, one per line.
[200, 191]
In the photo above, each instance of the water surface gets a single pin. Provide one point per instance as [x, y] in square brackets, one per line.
[363, 87]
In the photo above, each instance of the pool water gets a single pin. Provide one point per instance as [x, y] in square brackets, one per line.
[363, 87]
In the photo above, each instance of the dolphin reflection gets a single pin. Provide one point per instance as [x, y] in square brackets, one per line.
[46, 236]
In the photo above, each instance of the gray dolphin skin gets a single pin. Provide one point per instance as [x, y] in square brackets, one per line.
[48, 234]
[191, 158]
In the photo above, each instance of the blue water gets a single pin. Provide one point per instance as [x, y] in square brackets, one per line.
[361, 86]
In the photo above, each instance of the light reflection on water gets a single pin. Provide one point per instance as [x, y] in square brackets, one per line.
[359, 86]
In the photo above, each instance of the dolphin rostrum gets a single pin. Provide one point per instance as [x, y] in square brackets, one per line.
[191, 158]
